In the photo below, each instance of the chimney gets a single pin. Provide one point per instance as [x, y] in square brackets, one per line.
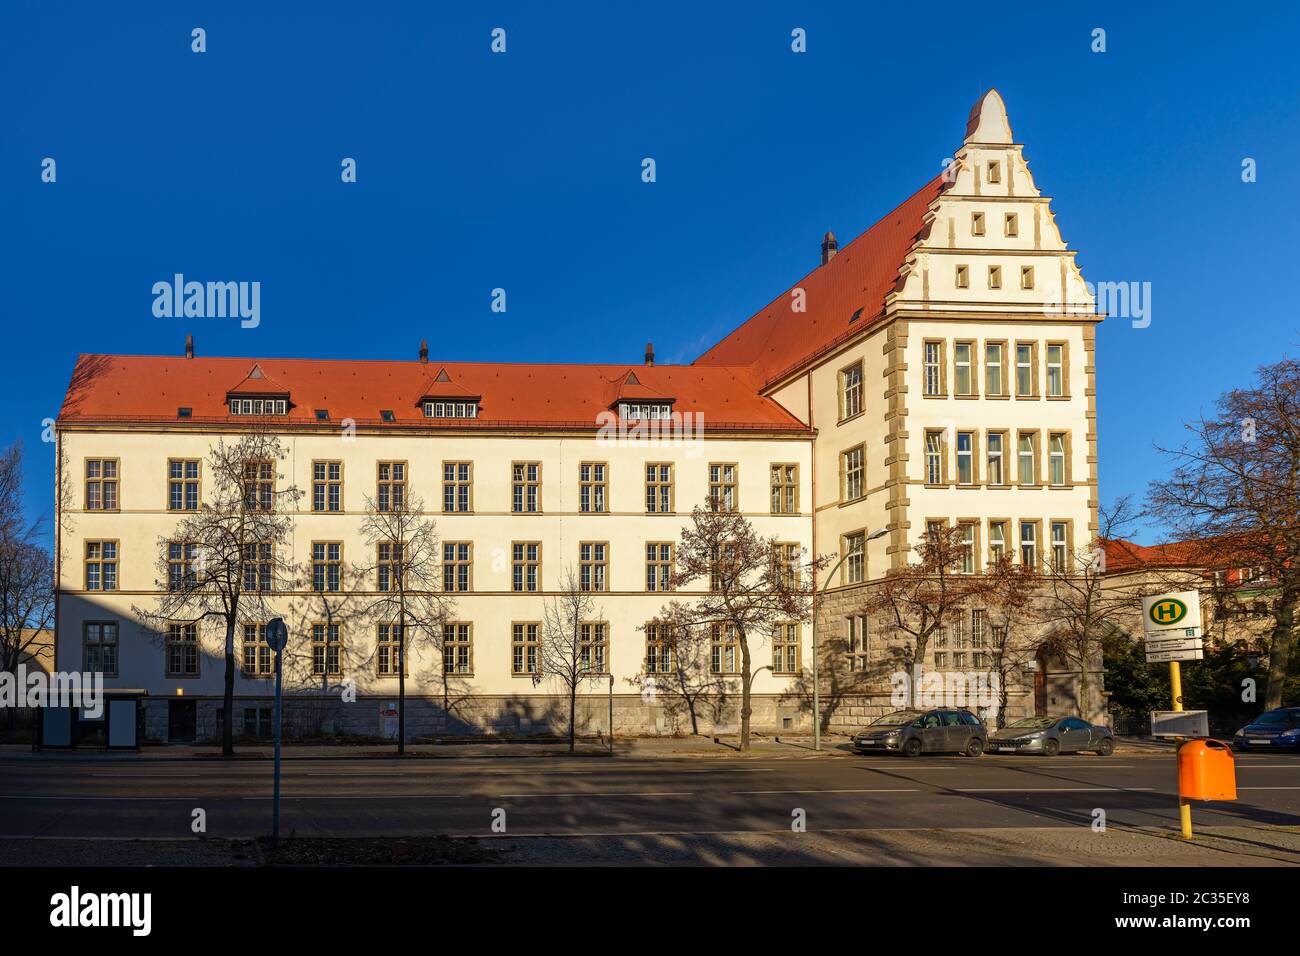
[424, 351]
[829, 247]
[189, 346]
[650, 354]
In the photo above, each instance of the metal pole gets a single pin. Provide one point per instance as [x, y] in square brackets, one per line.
[1184, 805]
[818, 594]
[611, 713]
[275, 820]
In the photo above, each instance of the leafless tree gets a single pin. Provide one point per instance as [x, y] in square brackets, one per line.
[678, 667]
[574, 644]
[1013, 639]
[1234, 489]
[226, 560]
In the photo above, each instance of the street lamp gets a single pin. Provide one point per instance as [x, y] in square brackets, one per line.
[818, 592]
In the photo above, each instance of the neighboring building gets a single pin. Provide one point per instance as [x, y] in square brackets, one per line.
[940, 367]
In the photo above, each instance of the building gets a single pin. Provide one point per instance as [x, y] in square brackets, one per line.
[940, 367]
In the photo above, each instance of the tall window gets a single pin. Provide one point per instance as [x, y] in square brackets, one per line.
[1060, 546]
[933, 458]
[963, 381]
[995, 277]
[968, 548]
[785, 648]
[785, 489]
[659, 647]
[659, 488]
[996, 442]
[1056, 370]
[593, 647]
[1029, 544]
[259, 485]
[855, 565]
[593, 563]
[851, 463]
[180, 565]
[101, 565]
[457, 482]
[965, 458]
[658, 565]
[977, 224]
[856, 645]
[1024, 369]
[392, 486]
[997, 541]
[1028, 455]
[257, 566]
[525, 647]
[851, 391]
[525, 565]
[456, 565]
[389, 565]
[99, 642]
[182, 650]
[1010, 225]
[724, 649]
[257, 660]
[1056, 458]
[933, 368]
[457, 648]
[962, 277]
[786, 563]
[326, 650]
[722, 487]
[723, 566]
[182, 484]
[326, 565]
[526, 487]
[592, 487]
[388, 650]
[101, 484]
[941, 647]
[993, 369]
[327, 486]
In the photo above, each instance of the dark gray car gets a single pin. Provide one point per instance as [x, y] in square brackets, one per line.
[1050, 736]
[914, 732]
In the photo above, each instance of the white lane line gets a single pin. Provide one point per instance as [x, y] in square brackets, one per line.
[1269, 766]
[365, 796]
[50, 796]
[1047, 789]
[754, 792]
[1268, 788]
[596, 793]
[134, 775]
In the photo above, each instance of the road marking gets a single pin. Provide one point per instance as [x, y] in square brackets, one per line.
[51, 796]
[1048, 789]
[597, 793]
[754, 792]
[134, 775]
[364, 796]
[1268, 788]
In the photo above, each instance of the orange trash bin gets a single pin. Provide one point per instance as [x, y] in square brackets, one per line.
[1206, 771]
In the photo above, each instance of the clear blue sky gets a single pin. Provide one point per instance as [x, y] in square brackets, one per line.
[522, 171]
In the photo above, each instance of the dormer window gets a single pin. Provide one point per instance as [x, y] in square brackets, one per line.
[386, 414]
[644, 411]
[259, 406]
[442, 409]
[322, 414]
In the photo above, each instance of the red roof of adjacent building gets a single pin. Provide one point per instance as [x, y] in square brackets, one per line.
[841, 297]
[152, 388]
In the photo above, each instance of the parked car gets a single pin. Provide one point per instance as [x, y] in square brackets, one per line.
[1050, 736]
[914, 732]
[1272, 730]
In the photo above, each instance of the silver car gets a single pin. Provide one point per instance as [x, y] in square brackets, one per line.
[1050, 736]
[914, 732]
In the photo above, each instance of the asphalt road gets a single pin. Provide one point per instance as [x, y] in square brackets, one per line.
[595, 796]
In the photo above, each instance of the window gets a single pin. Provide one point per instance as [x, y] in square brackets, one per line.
[977, 224]
[182, 650]
[1056, 458]
[525, 647]
[99, 640]
[965, 458]
[326, 650]
[456, 565]
[457, 648]
[993, 369]
[785, 648]
[658, 566]
[327, 486]
[941, 647]
[959, 646]
[722, 487]
[995, 277]
[995, 458]
[993, 171]
[851, 467]
[786, 564]
[386, 415]
[592, 487]
[526, 487]
[593, 647]
[643, 412]
[963, 381]
[392, 486]
[257, 660]
[525, 565]
[724, 649]
[855, 565]
[101, 484]
[1056, 369]
[259, 406]
[997, 541]
[659, 647]
[457, 486]
[1011, 225]
[389, 566]
[257, 566]
[1029, 544]
[388, 651]
[180, 565]
[933, 368]
[659, 488]
[182, 484]
[851, 391]
[785, 489]
[593, 563]
[101, 566]
[1060, 546]
[1028, 455]
[723, 568]
[967, 548]
[322, 414]
[259, 485]
[1026, 277]
[963, 277]
[856, 645]
[326, 565]
[1024, 369]
[450, 409]
[933, 458]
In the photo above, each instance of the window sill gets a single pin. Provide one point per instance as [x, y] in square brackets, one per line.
[849, 418]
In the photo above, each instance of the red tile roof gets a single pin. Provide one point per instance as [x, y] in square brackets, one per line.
[1124, 555]
[151, 388]
[778, 341]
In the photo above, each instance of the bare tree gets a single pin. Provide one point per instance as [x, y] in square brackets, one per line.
[754, 583]
[407, 572]
[678, 667]
[1013, 639]
[226, 560]
[574, 644]
[1234, 490]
